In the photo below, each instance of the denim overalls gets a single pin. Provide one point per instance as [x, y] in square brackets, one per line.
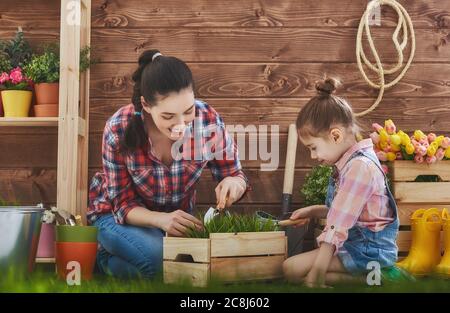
[363, 245]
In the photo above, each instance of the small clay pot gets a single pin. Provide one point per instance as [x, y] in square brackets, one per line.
[47, 93]
[46, 110]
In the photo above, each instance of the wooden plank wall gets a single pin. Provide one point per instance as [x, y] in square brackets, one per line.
[254, 61]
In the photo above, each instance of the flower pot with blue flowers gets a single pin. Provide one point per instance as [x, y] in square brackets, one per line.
[16, 93]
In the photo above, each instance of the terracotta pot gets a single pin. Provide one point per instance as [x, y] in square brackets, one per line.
[46, 110]
[16, 103]
[67, 233]
[47, 93]
[46, 247]
[84, 253]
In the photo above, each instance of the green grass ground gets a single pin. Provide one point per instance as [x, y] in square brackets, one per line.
[43, 281]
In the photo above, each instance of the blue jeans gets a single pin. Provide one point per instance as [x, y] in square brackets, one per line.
[128, 251]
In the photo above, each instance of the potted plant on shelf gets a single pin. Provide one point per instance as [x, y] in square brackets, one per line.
[5, 66]
[43, 69]
[13, 53]
[16, 93]
[18, 50]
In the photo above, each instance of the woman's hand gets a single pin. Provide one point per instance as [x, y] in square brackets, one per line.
[229, 190]
[178, 223]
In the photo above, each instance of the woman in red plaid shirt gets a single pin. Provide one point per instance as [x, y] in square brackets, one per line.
[154, 151]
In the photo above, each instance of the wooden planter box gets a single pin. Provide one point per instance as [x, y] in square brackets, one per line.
[411, 195]
[229, 257]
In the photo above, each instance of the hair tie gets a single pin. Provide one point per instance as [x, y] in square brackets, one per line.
[137, 113]
[157, 54]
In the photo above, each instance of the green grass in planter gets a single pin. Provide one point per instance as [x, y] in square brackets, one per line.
[232, 224]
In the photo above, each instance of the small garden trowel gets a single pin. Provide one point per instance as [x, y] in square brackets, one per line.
[214, 212]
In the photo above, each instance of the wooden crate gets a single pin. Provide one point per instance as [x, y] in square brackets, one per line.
[229, 257]
[411, 195]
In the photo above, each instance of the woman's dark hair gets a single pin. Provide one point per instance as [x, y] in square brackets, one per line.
[324, 111]
[154, 77]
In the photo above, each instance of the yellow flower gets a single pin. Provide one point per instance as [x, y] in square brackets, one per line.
[384, 136]
[447, 153]
[404, 137]
[418, 134]
[383, 145]
[431, 150]
[409, 148]
[438, 140]
[395, 148]
[389, 126]
[396, 140]
[391, 156]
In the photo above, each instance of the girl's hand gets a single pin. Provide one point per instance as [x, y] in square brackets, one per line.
[302, 213]
[178, 223]
[311, 211]
[234, 187]
[315, 279]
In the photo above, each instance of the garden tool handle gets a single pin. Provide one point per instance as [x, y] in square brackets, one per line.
[226, 200]
[293, 222]
[289, 168]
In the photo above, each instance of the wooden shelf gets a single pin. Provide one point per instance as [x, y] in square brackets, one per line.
[45, 260]
[28, 121]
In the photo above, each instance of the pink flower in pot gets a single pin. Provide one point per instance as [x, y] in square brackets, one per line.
[431, 159]
[418, 158]
[421, 150]
[4, 78]
[431, 137]
[377, 127]
[445, 142]
[16, 75]
[440, 153]
[424, 142]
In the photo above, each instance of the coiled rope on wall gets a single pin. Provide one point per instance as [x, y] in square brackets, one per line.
[404, 23]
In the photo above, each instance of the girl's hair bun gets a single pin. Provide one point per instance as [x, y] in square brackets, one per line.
[327, 86]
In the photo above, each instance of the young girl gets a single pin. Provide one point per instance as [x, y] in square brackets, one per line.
[146, 189]
[361, 213]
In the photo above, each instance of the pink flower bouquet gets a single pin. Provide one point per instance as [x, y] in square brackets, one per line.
[391, 145]
[14, 80]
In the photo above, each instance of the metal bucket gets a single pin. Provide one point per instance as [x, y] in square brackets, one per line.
[20, 228]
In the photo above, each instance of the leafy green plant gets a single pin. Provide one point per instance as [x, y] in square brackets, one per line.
[5, 63]
[232, 223]
[85, 59]
[43, 68]
[314, 189]
[17, 49]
